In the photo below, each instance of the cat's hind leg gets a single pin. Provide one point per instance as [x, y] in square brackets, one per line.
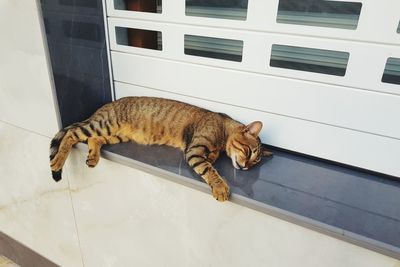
[94, 145]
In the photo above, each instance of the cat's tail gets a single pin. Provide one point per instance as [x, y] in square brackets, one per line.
[61, 145]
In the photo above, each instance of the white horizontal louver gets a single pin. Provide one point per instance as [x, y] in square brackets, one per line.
[216, 12]
[226, 9]
[211, 47]
[218, 45]
[393, 66]
[392, 71]
[313, 56]
[319, 13]
[330, 20]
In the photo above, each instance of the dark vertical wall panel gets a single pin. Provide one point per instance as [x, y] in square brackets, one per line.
[77, 46]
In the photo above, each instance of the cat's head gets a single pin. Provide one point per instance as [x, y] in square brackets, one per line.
[244, 147]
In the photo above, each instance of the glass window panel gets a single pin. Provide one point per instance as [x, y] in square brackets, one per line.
[392, 71]
[320, 13]
[211, 47]
[139, 38]
[221, 9]
[82, 30]
[398, 28]
[309, 59]
[152, 6]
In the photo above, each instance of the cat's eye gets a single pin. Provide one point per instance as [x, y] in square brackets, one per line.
[248, 156]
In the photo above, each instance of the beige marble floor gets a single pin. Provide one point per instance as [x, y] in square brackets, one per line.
[33, 209]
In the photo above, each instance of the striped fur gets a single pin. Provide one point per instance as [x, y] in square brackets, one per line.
[199, 133]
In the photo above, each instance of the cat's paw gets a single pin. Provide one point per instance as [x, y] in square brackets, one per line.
[56, 164]
[92, 161]
[220, 191]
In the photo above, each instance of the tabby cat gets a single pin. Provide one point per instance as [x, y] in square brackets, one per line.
[200, 133]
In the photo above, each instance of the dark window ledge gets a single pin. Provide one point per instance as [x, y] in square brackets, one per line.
[355, 206]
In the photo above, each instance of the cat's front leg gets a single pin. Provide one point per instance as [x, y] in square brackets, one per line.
[197, 158]
[219, 187]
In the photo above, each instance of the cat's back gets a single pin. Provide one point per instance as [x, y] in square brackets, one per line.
[156, 108]
[152, 120]
[148, 101]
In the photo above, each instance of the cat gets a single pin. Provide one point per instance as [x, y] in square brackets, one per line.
[201, 134]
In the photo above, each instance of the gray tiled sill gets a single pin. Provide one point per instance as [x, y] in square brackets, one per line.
[358, 207]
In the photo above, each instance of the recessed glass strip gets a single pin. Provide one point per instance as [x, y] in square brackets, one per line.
[309, 59]
[151, 6]
[398, 28]
[211, 47]
[320, 13]
[226, 9]
[392, 71]
[138, 38]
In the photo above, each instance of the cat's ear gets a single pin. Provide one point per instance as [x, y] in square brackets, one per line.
[254, 128]
[265, 152]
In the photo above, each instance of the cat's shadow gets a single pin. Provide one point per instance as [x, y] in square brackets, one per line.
[239, 181]
[163, 157]
[171, 159]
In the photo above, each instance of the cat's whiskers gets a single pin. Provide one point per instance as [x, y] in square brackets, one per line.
[234, 162]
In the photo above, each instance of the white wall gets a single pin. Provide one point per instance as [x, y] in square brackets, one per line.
[118, 216]
[33, 209]
[26, 100]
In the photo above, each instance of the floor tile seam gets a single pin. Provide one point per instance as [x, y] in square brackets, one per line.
[26, 130]
[70, 191]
